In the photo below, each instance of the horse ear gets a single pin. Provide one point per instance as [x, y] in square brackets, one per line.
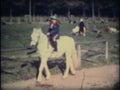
[34, 29]
[40, 29]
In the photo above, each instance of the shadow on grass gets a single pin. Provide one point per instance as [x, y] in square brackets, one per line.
[51, 64]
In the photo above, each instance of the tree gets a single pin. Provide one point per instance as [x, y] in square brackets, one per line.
[71, 4]
[22, 7]
[84, 5]
[55, 4]
[30, 10]
[114, 7]
[93, 10]
[10, 4]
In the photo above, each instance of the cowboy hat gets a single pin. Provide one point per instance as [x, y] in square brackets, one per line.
[54, 17]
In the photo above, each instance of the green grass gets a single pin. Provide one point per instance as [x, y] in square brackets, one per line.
[18, 35]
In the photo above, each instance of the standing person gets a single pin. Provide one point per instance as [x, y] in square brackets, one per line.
[53, 32]
[82, 29]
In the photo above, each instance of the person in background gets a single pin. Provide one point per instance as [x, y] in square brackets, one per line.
[82, 28]
[107, 29]
[97, 31]
[53, 32]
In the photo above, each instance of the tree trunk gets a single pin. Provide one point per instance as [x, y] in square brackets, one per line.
[51, 12]
[84, 12]
[93, 10]
[99, 13]
[114, 15]
[68, 14]
[30, 18]
[11, 18]
[34, 7]
[33, 13]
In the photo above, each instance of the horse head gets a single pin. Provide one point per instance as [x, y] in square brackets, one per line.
[35, 36]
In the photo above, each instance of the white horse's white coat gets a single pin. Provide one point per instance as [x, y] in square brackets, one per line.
[75, 30]
[66, 45]
[113, 30]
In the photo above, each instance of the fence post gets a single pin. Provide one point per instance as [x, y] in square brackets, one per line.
[79, 55]
[18, 20]
[106, 52]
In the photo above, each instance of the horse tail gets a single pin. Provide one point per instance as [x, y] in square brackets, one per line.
[76, 62]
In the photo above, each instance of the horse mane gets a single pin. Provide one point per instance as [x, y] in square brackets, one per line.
[39, 31]
[42, 37]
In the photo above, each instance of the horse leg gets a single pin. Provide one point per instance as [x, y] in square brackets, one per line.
[41, 68]
[72, 69]
[40, 71]
[47, 71]
[73, 61]
[68, 58]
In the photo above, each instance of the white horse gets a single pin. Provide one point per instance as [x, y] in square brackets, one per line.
[75, 31]
[65, 44]
[113, 30]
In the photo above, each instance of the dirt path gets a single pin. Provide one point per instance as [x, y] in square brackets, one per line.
[99, 77]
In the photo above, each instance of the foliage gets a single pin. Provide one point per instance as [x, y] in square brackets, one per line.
[21, 7]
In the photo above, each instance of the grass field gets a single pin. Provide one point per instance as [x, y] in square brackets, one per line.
[18, 36]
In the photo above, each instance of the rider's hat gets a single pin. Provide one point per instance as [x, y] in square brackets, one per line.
[54, 17]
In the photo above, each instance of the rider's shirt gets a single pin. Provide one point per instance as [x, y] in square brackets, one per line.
[81, 25]
[53, 28]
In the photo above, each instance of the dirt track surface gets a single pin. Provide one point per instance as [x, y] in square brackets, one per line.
[97, 77]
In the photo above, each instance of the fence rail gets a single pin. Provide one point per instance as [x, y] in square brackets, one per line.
[79, 52]
[95, 50]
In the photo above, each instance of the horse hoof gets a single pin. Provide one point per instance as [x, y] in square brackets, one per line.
[73, 73]
[64, 77]
[39, 80]
[47, 78]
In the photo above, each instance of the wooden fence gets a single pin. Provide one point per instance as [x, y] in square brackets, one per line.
[36, 19]
[79, 50]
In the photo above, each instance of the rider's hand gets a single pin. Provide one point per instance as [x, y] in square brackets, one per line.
[54, 39]
[48, 34]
